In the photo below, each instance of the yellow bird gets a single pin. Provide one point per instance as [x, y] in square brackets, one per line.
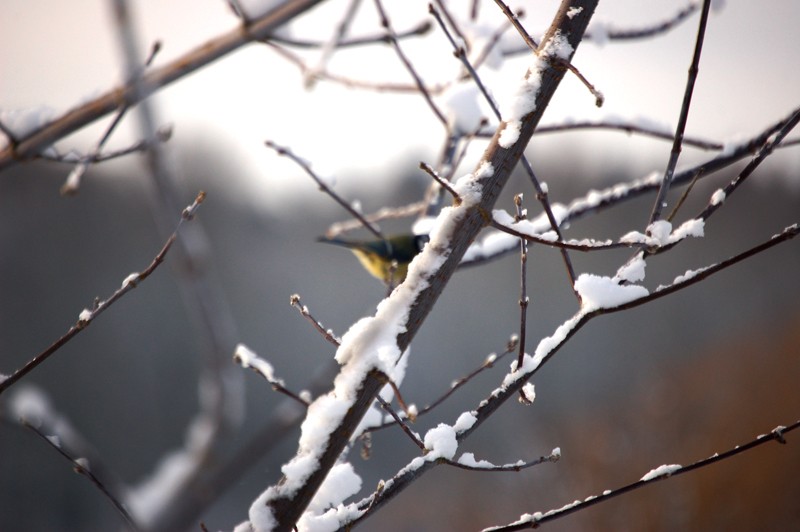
[385, 259]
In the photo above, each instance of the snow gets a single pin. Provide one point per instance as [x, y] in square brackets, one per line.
[573, 12]
[718, 197]
[523, 100]
[246, 358]
[369, 345]
[634, 270]
[545, 347]
[440, 442]
[22, 122]
[460, 104]
[85, 315]
[146, 500]
[661, 471]
[660, 233]
[341, 483]
[689, 274]
[530, 392]
[521, 103]
[30, 403]
[694, 227]
[130, 279]
[599, 292]
[465, 422]
[468, 459]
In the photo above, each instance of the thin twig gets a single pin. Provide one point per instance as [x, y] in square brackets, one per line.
[554, 456]
[82, 467]
[383, 213]
[541, 193]
[512, 17]
[488, 363]
[489, 405]
[536, 519]
[646, 31]
[403, 88]
[333, 43]
[246, 358]
[523, 285]
[294, 301]
[70, 187]
[419, 30]
[600, 200]
[403, 425]
[386, 24]
[685, 194]
[281, 150]
[451, 21]
[630, 128]
[765, 151]
[88, 316]
[71, 157]
[442, 181]
[684, 115]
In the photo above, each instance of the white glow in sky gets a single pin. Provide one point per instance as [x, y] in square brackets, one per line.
[61, 53]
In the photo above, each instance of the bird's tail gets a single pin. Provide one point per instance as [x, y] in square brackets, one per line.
[340, 242]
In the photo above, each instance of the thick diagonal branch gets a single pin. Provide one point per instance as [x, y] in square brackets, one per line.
[462, 224]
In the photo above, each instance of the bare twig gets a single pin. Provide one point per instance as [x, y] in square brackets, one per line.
[552, 345]
[294, 301]
[600, 200]
[387, 25]
[685, 194]
[82, 467]
[281, 150]
[398, 421]
[72, 183]
[71, 157]
[246, 358]
[656, 475]
[384, 213]
[417, 31]
[333, 43]
[442, 181]
[87, 316]
[541, 193]
[411, 304]
[646, 31]
[512, 17]
[554, 456]
[765, 151]
[631, 128]
[350, 82]
[684, 115]
[523, 285]
[488, 363]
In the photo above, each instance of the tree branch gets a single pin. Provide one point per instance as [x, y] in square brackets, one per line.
[30, 145]
[408, 306]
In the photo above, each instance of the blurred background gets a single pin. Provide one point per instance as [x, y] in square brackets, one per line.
[672, 382]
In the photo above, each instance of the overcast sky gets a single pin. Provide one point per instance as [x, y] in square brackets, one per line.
[57, 54]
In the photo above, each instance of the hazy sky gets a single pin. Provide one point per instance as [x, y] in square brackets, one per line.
[60, 53]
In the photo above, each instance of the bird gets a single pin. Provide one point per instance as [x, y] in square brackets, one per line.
[386, 259]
